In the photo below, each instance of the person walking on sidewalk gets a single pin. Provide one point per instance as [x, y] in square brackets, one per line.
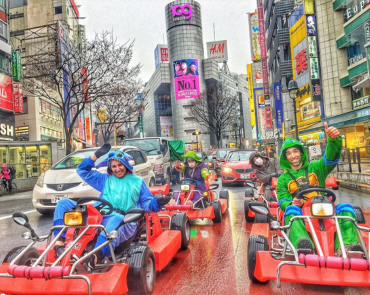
[6, 177]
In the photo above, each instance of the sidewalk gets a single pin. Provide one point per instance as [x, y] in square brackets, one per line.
[355, 180]
[18, 196]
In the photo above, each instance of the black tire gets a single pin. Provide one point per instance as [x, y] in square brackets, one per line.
[32, 253]
[249, 193]
[151, 182]
[359, 214]
[255, 243]
[180, 221]
[14, 188]
[261, 218]
[218, 211]
[45, 211]
[224, 194]
[246, 211]
[141, 271]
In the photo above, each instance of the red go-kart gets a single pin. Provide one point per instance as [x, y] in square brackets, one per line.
[272, 256]
[131, 268]
[271, 203]
[210, 205]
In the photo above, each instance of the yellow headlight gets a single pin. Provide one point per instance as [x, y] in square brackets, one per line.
[185, 187]
[205, 194]
[73, 218]
[227, 169]
[322, 209]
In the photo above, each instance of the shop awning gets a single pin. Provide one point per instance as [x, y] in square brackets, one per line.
[364, 83]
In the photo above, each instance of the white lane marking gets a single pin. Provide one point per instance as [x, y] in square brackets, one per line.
[10, 216]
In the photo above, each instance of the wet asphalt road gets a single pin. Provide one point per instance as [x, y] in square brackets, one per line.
[214, 263]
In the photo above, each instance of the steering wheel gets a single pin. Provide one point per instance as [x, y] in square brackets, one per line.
[328, 193]
[99, 207]
[189, 181]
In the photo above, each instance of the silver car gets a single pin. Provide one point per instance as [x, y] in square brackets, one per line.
[62, 181]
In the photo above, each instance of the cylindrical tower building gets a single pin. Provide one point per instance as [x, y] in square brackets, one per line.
[185, 48]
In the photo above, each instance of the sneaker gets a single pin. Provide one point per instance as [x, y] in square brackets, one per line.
[93, 260]
[304, 246]
[59, 249]
[353, 251]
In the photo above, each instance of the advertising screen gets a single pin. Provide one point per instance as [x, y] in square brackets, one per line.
[166, 126]
[186, 78]
[6, 93]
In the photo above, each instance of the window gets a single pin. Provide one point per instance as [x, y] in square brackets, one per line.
[25, 105]
[58, 10]
[138, 157]
[3, 29]
[17, 160]
[4, 64]
[3, 3]
[45, 158]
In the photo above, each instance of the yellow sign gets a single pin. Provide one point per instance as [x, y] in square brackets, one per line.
[251, 97]
[102, 115]
[297, 33]
[309, 7]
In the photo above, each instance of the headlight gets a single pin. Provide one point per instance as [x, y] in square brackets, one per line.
[40, 180]
[74, 218]
[322, 209]
[185, 187]
[227, 169]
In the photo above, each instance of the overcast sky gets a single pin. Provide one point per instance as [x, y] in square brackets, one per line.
[144, 21]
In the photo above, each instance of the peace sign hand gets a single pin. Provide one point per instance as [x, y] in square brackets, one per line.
[331, 131]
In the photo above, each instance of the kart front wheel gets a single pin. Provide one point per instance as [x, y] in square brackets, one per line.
[255, 243]
[180, 221]
[246, 211]
[218, 211]
[141, 271]
[249, 193]
[26, 259]
[261, 218]
[224, 194]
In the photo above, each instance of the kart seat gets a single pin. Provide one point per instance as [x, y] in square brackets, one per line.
[334, 262]
[179, 207]
[39, 272]
[273, 205]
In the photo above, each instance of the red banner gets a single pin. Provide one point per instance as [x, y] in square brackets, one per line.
[88, 129]
[20, 98]
[6, 93]
[16, 97]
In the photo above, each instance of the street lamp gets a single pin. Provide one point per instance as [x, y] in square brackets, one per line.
[293, 88]
[197, 133]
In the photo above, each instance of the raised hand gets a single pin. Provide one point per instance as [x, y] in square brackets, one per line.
[331, 131]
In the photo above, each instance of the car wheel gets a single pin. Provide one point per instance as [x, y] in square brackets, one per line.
[261, 218]
[359, 215]
[224, 194]
[45, 211]
[249, 193]
[26, 259]
[218, 211]
[141, 271]
[255, 243]
[152, 182]
[180, 221]
[246, 211]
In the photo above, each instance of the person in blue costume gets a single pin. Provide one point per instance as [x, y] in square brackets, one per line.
[121, 188]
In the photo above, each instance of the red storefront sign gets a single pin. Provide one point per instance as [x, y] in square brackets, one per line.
[6, 93]
[18, 98]
[164, 54]
[88, 129]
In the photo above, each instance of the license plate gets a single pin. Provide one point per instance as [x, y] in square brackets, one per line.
[244, 176]
[56, 198]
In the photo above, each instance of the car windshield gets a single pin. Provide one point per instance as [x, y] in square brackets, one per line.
[241, 156]
[148, 146]
[210, 157]
[221, 154]
[73, 160]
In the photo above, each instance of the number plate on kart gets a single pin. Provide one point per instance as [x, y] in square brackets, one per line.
[244, 176]
[58, 197]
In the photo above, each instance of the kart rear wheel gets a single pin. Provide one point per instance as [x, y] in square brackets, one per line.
[224, 194]
[246, 211]
[180, 221]
[261, 218]
[141, 272]
[249, 193]
[26, 259]
[218, 211]
[255, 243]
[359, 214]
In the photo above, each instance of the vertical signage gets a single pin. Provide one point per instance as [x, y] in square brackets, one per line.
[316, 90]
[278, 106]
[256, 47]
[186, 78]
[20, 98]
[16, 66]
[314, 68]
[309, 7]
[311, 25]
[16, 97]
[251, 97]
[312, 46]
[6, 93]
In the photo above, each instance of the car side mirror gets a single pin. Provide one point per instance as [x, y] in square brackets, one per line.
[260, 208]
[132, 162]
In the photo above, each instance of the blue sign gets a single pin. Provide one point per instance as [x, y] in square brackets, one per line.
[311, 25]
[139, 96]
[156, 57]
[297, 14]
[278, 106]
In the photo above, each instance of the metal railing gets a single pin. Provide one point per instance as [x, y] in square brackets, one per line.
[355, 160]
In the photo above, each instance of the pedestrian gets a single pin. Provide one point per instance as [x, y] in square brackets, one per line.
[7, 177]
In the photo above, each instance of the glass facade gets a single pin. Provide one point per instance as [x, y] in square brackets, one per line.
[162, 106]
[357, 39]
[353, 7]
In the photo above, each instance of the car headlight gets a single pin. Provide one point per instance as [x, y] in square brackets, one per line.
[185, 187]
[227, 169]
[74, 218]
[322, 209]
[40, 180]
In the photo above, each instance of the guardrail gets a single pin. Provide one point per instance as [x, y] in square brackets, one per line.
[355, 160]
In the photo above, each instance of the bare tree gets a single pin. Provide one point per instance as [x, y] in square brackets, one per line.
[216, 108]
[75, 76]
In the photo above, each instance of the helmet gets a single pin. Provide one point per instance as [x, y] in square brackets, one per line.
[3, 166]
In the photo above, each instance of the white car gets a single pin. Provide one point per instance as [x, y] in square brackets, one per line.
[62, 181]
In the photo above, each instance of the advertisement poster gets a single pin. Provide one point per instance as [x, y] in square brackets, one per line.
[166, 126]
[259, 77]
[6, 93]
[278, 106]
[256, 48]
[186, 78]
[310, 110]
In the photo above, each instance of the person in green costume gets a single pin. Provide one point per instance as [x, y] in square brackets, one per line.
[294, 161]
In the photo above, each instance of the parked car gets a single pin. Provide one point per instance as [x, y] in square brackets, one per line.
[221, 155]
[237, 168]
[62, 181]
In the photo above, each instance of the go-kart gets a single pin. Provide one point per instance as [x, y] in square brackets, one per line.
[131, 267]
[210, 205]
[272, 256]
[271, 203]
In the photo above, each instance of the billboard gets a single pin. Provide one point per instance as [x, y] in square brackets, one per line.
[161, 55]
[217, 50]
[16, 66]
[166, 126]
[186, 77]
[6, 93]
[251, 96]
[254, 30]
[7, 126]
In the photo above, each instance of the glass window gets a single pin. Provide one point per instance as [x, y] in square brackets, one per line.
[45, 158]
[17, 160]
[138, 158]
[25, 105]
[58, 10]
[4, 155]
[148, 146]
[32, 161]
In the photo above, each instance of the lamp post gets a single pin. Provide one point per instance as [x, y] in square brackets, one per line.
[293, 88]
[197, 133]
